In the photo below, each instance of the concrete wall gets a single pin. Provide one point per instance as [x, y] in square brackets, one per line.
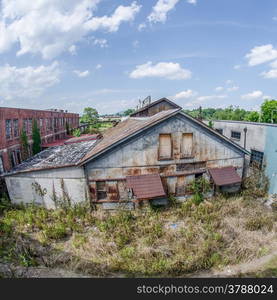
[260, 137]
[140, 156]
[26, 187]
[271, 158]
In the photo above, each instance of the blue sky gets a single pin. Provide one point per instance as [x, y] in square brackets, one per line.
[107, 54]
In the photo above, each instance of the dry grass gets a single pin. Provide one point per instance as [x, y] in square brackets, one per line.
[172, 242]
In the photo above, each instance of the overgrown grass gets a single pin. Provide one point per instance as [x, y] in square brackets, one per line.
[174, 241]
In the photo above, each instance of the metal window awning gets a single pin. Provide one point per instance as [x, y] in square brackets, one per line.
[224, 176]
[146, 186]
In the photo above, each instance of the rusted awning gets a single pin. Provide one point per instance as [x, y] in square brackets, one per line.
[224, 176]
[146, 186]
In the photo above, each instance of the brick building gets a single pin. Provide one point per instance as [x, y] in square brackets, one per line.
[52, 124]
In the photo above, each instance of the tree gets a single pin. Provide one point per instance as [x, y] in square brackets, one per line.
[36, 138]
[24, 145]
[253, 116]
[269, 111]
[128, 111]
[90, 115]
[211, 124]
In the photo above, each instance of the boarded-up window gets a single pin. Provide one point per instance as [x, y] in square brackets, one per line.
[187, 145]
[101, 190]
[165, 146]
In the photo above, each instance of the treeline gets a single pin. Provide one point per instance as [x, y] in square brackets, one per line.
[267, 114]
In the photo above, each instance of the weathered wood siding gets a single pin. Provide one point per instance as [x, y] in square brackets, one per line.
[140, 155]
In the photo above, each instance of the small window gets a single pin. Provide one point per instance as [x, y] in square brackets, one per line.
[235, 135]
[256, 158]
[8, 129]
[30, 125]
[165, 146]
[2, 170]
[25, 125]
[101, 190]
[187, 145]
[219, 130]
[15, 128]
[13, 159]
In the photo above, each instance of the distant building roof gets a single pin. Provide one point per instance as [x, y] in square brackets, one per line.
[246, 123]
[146, 186]
[224, 176]
[172, 104]
[71, 140]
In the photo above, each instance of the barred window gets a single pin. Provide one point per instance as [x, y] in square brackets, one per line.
[235, 135]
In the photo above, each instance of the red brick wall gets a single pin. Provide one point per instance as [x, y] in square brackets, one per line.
[47, 135]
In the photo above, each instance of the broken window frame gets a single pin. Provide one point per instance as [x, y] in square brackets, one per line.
[256, 158]
[170, 157]
[101, 190]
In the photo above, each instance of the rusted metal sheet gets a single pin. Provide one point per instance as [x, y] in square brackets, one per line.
[224, 176]
[146, 186]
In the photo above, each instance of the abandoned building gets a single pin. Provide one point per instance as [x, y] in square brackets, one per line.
[141, 158]
[260, 139]
[52, 124]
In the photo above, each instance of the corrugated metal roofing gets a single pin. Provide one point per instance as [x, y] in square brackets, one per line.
[55, 157]
[146, 186]
[224, 176]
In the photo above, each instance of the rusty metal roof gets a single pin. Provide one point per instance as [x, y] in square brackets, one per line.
[126, 129]
[224, 176]
[154, 103]
[146, 186]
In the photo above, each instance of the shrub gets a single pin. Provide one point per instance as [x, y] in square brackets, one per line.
[259, 222]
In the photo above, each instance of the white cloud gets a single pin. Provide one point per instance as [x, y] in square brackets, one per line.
[273, 65]
[232, 89]
[167, 70]
[27, 82]
[160, 10]
[50, 27]
[185, 94]
[211, 97]
[253, 95]
[135, 44]
[261, 54]
[192, 1]
[270, 74]
[219, 89]
[121, 14]
[72, 50]
[141, 26]
[237, 67]
[102, 43]
[98, 66]
[81, 74]
[228, 81]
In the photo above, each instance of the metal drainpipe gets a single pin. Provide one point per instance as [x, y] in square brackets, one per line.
[244, 146]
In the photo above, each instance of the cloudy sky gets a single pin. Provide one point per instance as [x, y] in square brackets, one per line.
[107, 54]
